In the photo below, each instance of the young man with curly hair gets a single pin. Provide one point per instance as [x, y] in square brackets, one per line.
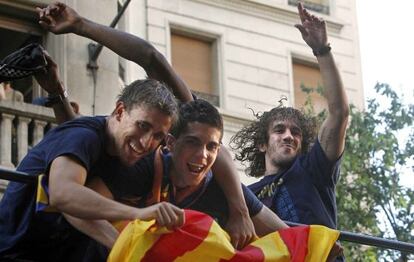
[299, 180]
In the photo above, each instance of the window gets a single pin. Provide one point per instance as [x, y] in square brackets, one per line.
[321, 6]
[17, 40]
[192, 58]
[307, 76]
[20, 27]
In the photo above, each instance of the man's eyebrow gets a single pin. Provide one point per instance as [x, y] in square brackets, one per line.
[139, 122]
[192, 137]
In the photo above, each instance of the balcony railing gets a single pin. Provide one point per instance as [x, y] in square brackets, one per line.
[21, 127]
[404, 247]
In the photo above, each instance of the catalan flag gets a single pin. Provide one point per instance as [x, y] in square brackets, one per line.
[202, 239]
[42, 195]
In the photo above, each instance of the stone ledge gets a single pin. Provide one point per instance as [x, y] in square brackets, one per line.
[267, 9]
[27, 110]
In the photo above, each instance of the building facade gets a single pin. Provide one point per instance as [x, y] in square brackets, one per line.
[238, 54]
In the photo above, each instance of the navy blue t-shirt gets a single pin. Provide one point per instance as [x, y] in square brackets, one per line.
[304, 193]
[209, 199]
[82, 139]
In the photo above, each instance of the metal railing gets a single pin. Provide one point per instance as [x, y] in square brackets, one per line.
[370, 240]
[357, 238]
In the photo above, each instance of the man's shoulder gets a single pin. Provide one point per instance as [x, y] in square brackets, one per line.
[82, 126]
[91, 122]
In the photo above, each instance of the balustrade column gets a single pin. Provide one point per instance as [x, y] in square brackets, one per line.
[22, 137]
[6, 125]
[39, 127]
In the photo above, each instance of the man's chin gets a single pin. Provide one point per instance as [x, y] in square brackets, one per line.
[130, 161]
[284, 162]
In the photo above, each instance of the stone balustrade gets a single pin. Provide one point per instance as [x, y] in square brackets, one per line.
[21, 127]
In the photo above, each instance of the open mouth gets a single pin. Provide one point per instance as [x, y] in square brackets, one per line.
[135, 148]
[195, 168]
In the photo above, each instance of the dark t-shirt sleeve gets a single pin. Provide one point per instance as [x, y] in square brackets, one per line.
[253, 204]
[323, 171]
[81, 143]
[126, 183]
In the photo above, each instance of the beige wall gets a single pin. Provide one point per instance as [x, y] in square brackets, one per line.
[254, 42]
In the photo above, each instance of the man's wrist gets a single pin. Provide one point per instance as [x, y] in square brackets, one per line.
[82, 27]
[55, 98]
[239, 209]
[322, 50]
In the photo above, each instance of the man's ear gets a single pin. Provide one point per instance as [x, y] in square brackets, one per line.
[262, 148]
[119, 110]
[170, 141]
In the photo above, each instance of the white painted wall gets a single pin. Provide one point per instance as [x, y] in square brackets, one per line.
[255, 44]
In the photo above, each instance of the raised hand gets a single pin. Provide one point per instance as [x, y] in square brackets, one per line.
[59, 18]
[165, 214]
[49, 80]
[313, 29]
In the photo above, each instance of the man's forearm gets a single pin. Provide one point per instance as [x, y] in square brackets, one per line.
[332, 132]
[334, 89]
[139, 51]
[100, 230]
[266, 222]
[227, 176]
[82, 202]
[63, 111]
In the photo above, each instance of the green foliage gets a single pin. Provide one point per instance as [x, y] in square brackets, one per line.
[369, 193]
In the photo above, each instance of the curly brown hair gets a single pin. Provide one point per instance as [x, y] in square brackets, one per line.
[248, 140]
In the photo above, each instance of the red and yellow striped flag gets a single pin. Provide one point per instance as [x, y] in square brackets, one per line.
[202, 239]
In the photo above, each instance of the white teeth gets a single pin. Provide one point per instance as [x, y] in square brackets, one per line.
[135, 148]
[195, 167]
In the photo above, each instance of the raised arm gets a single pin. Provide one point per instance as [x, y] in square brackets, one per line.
[51, 83]
[59, 18]
[332, 132]
[239, 226]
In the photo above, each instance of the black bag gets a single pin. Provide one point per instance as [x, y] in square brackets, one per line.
[22, 63]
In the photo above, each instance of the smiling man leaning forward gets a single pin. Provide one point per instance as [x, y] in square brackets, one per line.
[68, 157]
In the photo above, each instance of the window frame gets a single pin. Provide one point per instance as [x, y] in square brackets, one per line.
[210, 33]
[321, 9]
[300, 58]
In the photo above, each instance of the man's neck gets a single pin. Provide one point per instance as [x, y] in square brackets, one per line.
[273, 169]
[181, 189]
[109, 136]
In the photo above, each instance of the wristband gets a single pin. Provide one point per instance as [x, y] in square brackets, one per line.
[322, 51]
[53, 99]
